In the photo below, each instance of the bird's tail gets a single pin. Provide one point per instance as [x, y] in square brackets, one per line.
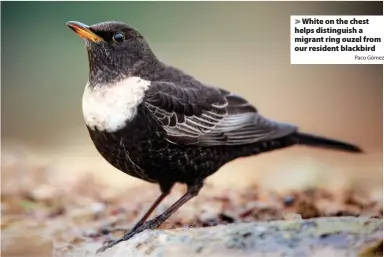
[323, 142]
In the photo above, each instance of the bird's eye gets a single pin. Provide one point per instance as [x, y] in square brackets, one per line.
[118, 37]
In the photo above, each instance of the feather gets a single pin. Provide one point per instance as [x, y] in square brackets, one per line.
[207, 116]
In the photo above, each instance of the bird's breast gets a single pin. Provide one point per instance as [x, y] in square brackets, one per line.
[109, 107]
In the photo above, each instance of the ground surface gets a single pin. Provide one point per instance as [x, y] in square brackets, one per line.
[45, 215]
[63, 224]
[297, 238]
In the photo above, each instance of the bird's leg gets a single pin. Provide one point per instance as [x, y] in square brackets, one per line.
[165, 190]
[192, 191]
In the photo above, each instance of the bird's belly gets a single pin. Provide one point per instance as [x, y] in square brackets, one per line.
[144, 153]
[153, 159]
[127, 149]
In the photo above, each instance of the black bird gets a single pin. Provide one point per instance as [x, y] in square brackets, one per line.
[157, 123]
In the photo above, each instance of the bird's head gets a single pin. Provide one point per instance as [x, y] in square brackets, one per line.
[115, 50]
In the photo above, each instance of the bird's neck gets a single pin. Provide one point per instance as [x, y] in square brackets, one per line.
[114, 69]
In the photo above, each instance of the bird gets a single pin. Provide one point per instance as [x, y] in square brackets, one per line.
[159, 124]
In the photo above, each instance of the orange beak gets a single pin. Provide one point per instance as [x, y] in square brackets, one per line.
[83, 31]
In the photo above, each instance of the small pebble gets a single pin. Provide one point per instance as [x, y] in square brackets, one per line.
[226, 218]
[97, 207]
[289, 200]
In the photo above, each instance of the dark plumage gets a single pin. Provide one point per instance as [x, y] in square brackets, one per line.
[180, 130]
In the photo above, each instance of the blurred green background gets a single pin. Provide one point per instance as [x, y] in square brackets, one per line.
[239, 46]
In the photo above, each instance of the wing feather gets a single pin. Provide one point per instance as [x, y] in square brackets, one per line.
[207, 116]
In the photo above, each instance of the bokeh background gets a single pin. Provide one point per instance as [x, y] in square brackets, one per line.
[239, 46]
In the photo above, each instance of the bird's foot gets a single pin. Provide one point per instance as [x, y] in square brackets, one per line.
[150, 224]
[107, 231]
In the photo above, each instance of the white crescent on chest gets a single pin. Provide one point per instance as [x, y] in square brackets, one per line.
[108, 107]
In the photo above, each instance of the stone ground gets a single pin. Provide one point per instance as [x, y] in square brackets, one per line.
[328, 237]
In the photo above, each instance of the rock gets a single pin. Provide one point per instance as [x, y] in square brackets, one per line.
[336, 236]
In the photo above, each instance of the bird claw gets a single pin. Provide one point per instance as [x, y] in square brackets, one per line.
[105, 247]
[150, 224]
[108, 241]
[106, 231]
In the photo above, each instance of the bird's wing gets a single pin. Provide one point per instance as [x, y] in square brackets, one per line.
[207, 116]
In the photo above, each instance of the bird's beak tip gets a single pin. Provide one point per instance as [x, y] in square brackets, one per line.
[83, 31]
